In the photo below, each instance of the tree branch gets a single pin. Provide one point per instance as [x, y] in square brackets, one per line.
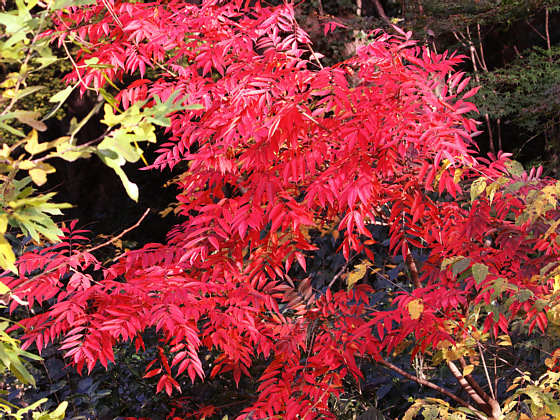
[473, 383]
[433, 386]
[381, 12]
[486, 404]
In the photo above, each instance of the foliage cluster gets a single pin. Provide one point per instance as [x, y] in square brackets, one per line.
[336, 223]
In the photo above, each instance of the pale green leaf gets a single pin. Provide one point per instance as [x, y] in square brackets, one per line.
[63, 94]
[515, 168]
[460, 266]
[480, 271]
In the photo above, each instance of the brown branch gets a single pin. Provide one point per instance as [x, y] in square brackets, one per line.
[433, 386]
[381, 12]
[120, 235]
[468, 388]
[546, 29]
[413, 270]
[535, 29]
[486, 404]
[473, 383]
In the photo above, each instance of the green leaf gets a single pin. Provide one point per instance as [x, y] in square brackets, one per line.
[516, 186]
[515, 168]
[75, 127]
[535, 394]
[27, 91]
[108, 97]
[63, 94]
[523, 295]
[480, 271]
[430, 412]
[60, 98]
[32, 122]
[62, 4]
[121, 143]
[31, 407]
[11, 129]
[460, 266]
[112, 160]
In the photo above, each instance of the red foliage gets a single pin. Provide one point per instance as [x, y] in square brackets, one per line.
[282, 146]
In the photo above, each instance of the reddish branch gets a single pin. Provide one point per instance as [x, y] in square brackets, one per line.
[488, 405]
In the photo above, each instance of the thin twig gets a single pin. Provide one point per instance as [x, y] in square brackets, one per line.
[89, 250]
[486, 371]
[313, 54]
[120, 235]
[546, 29]
[480, 46]
[76, 67]
[536, 30]
[341, 271]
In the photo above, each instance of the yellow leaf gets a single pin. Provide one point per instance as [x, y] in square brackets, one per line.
[512, 387]
[3, 223]
[468, 370]
[32, 145]
[10, 81]
[556, 283]
[478, 186]
[415, 308]
[452, 354]
[39, 173]
[358, 273]
[4, 289]
[7, 256]
[5, 152]
[506, 340]
[457, 175]
[549, 363]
